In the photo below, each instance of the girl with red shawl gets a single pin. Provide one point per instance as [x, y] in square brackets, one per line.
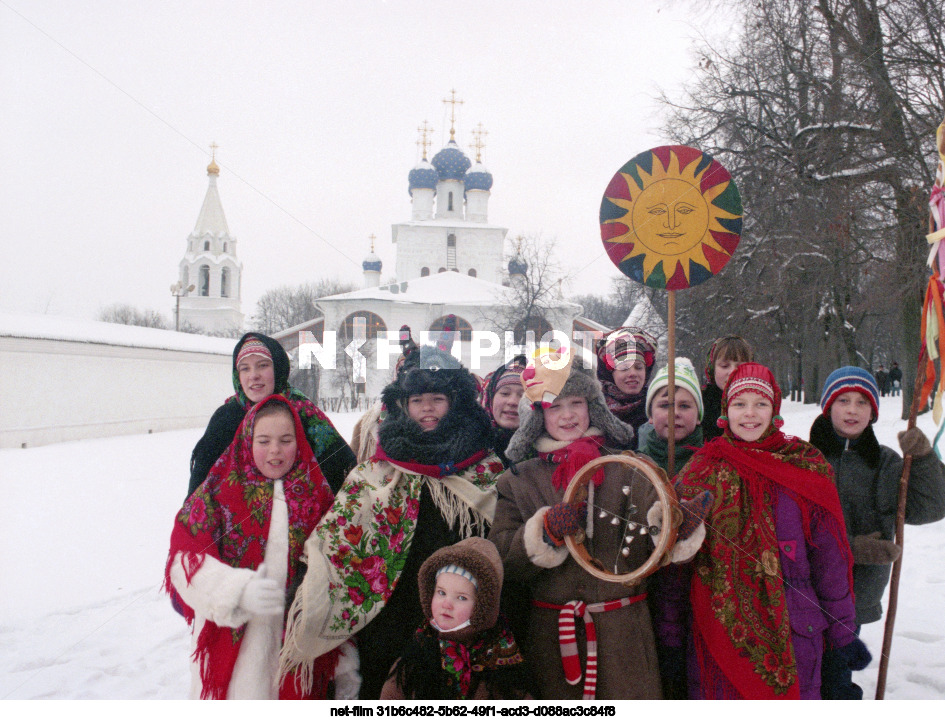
[235, 550]
[771, 583]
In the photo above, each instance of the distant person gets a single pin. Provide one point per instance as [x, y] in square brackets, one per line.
[867, 477]
[882, 381]
[261, 369]
[895, 379]
[626, 358]
[724, 356]
[235, 550]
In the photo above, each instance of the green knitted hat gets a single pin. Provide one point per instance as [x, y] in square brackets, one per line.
[684, 376]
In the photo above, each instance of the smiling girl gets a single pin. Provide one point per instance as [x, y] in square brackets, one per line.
[771, 585]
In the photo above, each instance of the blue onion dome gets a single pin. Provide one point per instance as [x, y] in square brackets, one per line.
[422, 176]
[517, 266]
[479, 178]
[451, 163]
[371, 262]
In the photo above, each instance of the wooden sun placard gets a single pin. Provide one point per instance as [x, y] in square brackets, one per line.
[671, 217]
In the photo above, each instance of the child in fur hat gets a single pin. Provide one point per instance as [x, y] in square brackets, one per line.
[464, 649]
[611, 654]
[236, 548]
[867, 477]
[771, 584]
[626, 358]
[429, 484]
[724, 356]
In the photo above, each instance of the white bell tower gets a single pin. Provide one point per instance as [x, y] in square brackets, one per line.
[211, 266]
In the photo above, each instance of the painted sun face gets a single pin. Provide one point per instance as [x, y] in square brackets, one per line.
[671, 217]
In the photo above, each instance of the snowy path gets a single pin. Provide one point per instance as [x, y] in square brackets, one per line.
[82, 616]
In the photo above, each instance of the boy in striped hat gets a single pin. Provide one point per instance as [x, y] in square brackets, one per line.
[867, 476]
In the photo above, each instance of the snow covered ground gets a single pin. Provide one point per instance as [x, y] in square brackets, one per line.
[85, 527]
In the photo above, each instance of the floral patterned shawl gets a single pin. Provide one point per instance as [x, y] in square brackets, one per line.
[357, 551]
[739, 609]
[227, 517]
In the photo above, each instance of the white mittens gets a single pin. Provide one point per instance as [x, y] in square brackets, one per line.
[347, 673]
[262, 596]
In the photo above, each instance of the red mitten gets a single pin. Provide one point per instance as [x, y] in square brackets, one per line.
[694, 512]
[564, 519]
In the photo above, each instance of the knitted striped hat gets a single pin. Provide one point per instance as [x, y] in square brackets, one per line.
[459, 571]
[752, 377]
[253, 346]
[850, 378]
[684, 377]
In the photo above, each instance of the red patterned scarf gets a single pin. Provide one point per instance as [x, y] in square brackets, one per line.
[227, 517]
[492, 650]
[570, 459]
[740, 618]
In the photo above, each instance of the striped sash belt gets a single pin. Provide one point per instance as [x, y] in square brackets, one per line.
[570, 661]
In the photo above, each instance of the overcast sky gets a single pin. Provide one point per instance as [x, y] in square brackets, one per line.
[108, 108]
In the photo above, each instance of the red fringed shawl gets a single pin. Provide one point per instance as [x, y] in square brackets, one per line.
[228, 517]
[739, 607]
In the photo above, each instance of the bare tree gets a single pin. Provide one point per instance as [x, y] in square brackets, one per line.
[535, 295]
[825, 114]
[286, 306]
[125, 314]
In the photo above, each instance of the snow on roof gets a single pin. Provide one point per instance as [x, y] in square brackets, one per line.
[449, 287]
[57, 327]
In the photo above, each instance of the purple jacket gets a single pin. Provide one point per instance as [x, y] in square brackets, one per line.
[819, 600]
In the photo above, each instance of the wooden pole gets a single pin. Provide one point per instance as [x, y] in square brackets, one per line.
[671, 372]
[900, 540]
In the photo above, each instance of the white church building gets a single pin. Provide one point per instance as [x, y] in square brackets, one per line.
[210, 265]
[449, 260]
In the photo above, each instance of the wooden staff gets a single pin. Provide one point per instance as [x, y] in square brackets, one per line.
[900, 532]
[671, 377]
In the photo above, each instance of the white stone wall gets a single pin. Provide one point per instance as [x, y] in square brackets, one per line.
[420, 245]
[60, 390]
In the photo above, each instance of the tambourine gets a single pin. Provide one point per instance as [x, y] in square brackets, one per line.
[643, 471]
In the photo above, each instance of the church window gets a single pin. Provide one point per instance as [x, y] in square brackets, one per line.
[224, 283]
[462, 325]
[451, 240]
[224, 247]
[424, 272]
[204, 288]
[441, 270]
[450, 203]
[472, 272]
[375, 325]
[206, 245]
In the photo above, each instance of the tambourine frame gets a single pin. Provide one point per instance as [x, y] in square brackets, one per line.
[671, 518]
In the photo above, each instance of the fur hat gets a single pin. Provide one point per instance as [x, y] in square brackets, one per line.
[464, 430]
[756, 378]
[478, 557]
[578, 382]
[684, 376]
[850, 378]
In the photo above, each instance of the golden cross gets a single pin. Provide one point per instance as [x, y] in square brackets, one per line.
[372, 237]
[453, 102]
[425, 131]
[213, 151]
[478, 143]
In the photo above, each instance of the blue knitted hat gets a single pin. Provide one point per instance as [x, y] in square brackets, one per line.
[850, 378]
